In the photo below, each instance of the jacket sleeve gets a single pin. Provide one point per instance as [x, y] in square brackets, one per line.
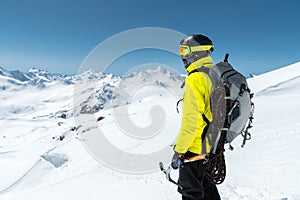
[193, 107]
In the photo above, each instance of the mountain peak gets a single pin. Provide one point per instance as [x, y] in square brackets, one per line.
[148, 72]
[4, 72]
[36, 70]
[162, 69]
[34, 76]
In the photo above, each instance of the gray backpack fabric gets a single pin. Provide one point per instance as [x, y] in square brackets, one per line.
[230, 102]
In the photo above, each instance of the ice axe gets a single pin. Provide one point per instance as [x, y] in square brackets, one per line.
[167, 171]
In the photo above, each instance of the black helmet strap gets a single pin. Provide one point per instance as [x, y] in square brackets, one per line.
[194, 57]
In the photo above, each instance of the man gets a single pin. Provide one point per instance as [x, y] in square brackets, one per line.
[195, 52]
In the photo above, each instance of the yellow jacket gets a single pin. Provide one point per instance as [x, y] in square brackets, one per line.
[196, 101]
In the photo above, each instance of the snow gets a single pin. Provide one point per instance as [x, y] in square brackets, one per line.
[273, 78]
[36, 165]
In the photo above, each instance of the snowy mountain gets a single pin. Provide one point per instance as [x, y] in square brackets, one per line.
[100, 90]
[34, 77]
[42, 152]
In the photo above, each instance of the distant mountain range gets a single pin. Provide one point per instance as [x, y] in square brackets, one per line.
[98, 90]
[40, 77]
[35, 77]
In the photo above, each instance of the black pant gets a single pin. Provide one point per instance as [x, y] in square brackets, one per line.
[195, 184]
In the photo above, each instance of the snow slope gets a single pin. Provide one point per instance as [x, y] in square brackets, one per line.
[35, 164]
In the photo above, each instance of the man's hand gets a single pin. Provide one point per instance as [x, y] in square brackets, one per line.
[177, 160]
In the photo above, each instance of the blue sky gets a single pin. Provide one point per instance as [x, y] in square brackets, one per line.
[56, 35]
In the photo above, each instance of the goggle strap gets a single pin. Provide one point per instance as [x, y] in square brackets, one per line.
[201, 48]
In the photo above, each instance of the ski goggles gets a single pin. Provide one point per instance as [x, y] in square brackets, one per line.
[186, 51]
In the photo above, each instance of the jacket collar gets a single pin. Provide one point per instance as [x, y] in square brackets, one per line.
[206, 62]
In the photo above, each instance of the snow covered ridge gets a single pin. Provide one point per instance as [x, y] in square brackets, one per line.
[274, 78]
[110, 91]
[99, 91]
[34, 77]
[32, 74]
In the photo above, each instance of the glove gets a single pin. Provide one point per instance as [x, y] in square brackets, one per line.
[177, 160]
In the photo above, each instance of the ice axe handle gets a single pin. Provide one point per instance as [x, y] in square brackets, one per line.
[167, 173]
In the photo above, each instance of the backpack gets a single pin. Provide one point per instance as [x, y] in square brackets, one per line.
[232, 111]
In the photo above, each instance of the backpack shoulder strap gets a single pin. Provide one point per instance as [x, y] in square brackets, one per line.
[201, 69]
